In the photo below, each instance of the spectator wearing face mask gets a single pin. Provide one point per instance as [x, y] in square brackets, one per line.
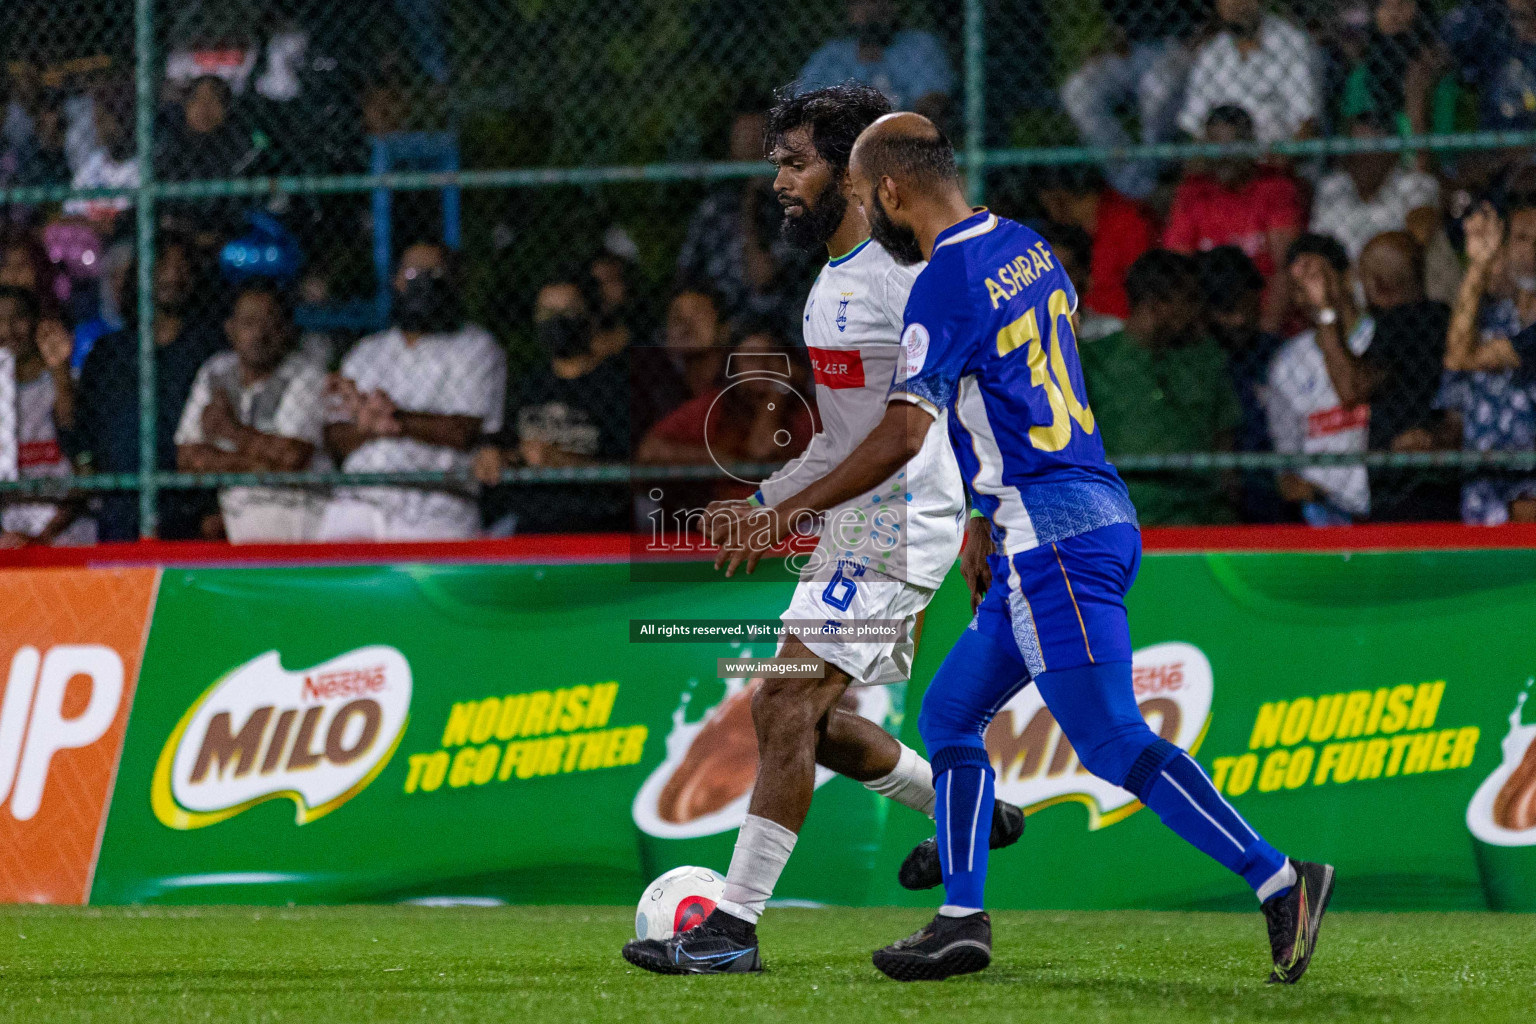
[415, 398]
[572, 410]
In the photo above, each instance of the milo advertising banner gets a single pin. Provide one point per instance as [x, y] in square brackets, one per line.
[515, 733]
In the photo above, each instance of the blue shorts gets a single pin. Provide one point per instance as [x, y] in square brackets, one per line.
[1063, 604]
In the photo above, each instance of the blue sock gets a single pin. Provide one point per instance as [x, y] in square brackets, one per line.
[1182, 795]
[963, 781]
[1096, 708]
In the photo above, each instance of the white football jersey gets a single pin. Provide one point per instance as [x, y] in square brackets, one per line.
[910, 526]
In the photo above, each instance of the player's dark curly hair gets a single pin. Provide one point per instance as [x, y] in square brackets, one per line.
[836, 115]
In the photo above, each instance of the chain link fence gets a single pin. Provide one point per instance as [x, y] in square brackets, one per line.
[410, 269]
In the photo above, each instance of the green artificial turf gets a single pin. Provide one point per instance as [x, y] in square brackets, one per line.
[561, 964]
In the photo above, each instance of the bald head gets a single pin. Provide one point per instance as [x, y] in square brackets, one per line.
[1392, 270]
[902, 172]
[909, 149]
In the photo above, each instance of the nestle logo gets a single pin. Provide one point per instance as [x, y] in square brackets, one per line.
[317, 736]
[1036, 766]
[355, 682]
[1165, 678]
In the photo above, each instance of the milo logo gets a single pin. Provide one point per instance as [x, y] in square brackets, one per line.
[1036, 766]
[317, 736]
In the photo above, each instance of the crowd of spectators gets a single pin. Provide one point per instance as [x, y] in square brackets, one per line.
[1376, 301]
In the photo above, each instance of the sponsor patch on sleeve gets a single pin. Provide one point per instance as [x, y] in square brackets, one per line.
[914, 349]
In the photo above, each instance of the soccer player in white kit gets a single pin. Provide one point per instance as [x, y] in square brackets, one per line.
[880, 556]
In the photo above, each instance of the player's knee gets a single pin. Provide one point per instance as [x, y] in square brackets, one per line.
[1130, 760]
[785, 708]
[946, 722]
[1111, 759]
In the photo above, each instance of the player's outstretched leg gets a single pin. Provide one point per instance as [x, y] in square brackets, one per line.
[1096, 708]
[977, 677]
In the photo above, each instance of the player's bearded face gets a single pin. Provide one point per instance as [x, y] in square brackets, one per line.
[900, 242]
[815, 221]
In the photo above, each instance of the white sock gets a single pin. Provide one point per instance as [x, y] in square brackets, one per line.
[948, 911]
[910, 783]
[1282, 879]
[762, 849]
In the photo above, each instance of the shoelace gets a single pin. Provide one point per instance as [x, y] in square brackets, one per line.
[915, 939]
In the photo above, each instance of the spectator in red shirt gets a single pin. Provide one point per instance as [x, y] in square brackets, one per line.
[1121, 230]
[1234, 201]
[756, 419]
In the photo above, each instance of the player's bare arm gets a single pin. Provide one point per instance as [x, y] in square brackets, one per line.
[897, 438]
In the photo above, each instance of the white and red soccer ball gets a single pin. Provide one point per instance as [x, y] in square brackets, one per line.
[678, 900]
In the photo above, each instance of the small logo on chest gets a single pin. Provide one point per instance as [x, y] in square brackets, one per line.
[842, 312]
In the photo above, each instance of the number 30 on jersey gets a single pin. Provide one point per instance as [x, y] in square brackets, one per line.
[1050, 374]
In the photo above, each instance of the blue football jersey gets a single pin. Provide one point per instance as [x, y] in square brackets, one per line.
[988, 339]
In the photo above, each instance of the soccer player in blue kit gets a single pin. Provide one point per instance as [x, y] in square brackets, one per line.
[988, 338]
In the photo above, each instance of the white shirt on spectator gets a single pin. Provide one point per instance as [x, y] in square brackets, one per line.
[1306, 417]
[1338, 210]
[459, 374]
[31, 445]
[1277, 84]
[290, 402]
[99, 170]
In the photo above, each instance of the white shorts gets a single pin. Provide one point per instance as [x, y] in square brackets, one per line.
[867, 664]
